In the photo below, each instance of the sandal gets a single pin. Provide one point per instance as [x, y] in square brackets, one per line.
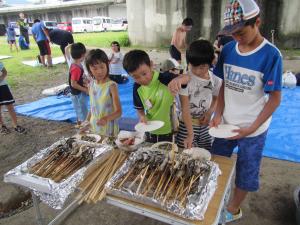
[4, 130]
[20, 129]
[233, 217]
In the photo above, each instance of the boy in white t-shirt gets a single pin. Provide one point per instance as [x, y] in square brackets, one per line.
[251, 69]
[198, 99]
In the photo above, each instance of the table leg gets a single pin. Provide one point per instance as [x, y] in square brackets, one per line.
[39, 218]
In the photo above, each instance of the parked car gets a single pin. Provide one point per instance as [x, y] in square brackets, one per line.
[101, 23]
[82, 24]
[67, 26]
[50, 25]
[119, 25]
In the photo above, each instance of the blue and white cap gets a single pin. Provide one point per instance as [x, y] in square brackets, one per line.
[237, 13]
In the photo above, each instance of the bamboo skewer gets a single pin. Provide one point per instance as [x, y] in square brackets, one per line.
[147, 185]
[160, 183]
[142, 179]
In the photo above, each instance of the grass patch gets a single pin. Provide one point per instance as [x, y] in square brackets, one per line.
[291, 53]
[18, 73]
[102, 39]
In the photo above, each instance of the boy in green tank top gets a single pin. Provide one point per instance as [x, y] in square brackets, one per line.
[153, 93]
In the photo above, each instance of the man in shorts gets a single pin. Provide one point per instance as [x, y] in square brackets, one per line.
[42, 39]
[178, 42]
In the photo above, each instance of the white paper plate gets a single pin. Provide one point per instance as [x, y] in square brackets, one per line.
[198, 153]
[150, 126]
[223, 131]
[138, 139]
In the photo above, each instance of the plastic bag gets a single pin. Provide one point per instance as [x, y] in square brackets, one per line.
[289, 80]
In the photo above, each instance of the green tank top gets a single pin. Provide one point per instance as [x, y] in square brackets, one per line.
[157, 101]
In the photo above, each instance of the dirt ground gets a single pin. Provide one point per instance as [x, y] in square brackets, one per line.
[272, 205]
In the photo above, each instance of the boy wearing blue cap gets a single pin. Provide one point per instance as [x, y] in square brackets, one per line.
[251, 69]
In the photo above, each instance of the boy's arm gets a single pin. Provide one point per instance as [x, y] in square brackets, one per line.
[67, 51]
[219, 108]
[207, 116]
[45, 31]
[186, 117]
[267, 111]
[176, 84]
[138, 105]
[142, 116]
[75, 85]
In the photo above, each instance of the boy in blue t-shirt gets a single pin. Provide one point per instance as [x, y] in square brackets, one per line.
[251, 69]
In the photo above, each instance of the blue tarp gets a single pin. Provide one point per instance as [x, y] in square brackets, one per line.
[283, 141]
[60, 108]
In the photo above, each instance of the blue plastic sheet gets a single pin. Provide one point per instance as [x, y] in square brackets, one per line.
[60, 108]
[283, 141]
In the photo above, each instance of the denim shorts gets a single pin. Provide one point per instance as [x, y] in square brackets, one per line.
[249, 157]
[80, 103]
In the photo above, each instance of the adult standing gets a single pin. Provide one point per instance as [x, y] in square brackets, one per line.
[42, 39]
[24, 27]
[178, 43]
[62, 38]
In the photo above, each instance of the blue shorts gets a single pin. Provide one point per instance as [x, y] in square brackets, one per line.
[80, 103]
[248, 158]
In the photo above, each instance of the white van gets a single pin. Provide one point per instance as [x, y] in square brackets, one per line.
[101, 23]
[82, 24]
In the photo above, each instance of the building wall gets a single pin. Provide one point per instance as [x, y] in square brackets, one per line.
[117, 11]
[152, 22]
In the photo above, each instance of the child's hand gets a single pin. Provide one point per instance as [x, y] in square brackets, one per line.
[216, 120]
[175, 86]
[206, 118]
[188, 142]
[242, 132]
[143, 119]
[102, 122]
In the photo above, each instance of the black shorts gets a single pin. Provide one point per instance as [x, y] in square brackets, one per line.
[175, 54]
[6, 97]
[11, 41]
[44, 47]
[69, 40]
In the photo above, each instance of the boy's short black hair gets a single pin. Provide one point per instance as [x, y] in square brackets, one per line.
[200, 52]
[117, 44]
[188, 22]
[36, 21]
[252, 21]
[94, 57]
[134, 59]
[77, 50]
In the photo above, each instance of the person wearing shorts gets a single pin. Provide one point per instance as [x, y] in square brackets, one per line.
[11, 37]
[6, 99]
[249, 95]
[42, 38]
[178, 42]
